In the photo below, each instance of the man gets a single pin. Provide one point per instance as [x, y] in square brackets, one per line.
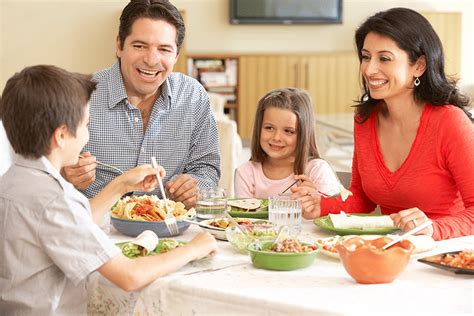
[140, 109]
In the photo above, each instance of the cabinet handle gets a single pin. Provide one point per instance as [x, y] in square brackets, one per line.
[306, 76]
[296, 75]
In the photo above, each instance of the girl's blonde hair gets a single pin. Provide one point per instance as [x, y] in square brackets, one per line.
[298, 102]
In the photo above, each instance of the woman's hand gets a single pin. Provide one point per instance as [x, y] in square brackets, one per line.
[410, 218]
[310, 204]
[141, 178]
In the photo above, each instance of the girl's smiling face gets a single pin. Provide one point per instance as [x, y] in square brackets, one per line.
[278, 136]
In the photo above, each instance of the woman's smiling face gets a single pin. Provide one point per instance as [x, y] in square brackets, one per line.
[386, 68]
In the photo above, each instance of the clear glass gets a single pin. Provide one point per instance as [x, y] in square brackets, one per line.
[211, 203]
[282, 210]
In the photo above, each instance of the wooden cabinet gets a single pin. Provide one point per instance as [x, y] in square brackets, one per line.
[332, 79]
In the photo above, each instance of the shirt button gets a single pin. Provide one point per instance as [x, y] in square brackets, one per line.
[136, 119]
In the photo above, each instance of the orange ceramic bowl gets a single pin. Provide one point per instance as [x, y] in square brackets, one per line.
[368, 263]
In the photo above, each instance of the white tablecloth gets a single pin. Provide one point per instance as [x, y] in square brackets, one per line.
[228, 284]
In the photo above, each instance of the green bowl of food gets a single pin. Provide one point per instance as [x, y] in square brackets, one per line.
[290, 254]
[258, 232]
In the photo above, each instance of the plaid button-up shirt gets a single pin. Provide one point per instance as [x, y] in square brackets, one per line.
[181, 131]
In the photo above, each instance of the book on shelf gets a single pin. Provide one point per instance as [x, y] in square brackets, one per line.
[212, 79]
[220, 89]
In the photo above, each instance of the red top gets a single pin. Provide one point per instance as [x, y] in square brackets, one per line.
[437, 176]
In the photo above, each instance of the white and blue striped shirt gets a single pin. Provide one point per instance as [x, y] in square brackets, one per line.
[181, 132]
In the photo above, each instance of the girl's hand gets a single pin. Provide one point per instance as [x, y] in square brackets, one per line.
[305, 181]
[410, 218]
[310, 204]
[141, 178]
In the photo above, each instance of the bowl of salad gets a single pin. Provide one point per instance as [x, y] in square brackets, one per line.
[256, 232]
[289, 254]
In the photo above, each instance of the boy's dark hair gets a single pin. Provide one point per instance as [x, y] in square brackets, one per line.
[299, 102]
[38, 100]
[152, 9]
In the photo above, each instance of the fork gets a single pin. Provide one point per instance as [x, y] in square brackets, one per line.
[407, 234]
[237, 225]
[105, 165]
[170, 220]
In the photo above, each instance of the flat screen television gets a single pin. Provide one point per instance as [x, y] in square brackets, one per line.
[285, 11]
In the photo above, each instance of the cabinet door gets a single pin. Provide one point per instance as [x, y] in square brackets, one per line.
[259, 74]
[333, 81]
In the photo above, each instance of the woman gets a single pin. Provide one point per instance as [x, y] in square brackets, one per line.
[414, 143]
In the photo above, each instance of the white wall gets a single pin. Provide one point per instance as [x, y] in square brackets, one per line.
[79, 35]
[210, 31]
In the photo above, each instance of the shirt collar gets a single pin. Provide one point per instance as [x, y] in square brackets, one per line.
[117, 92]
[116, 88]
[42, 164]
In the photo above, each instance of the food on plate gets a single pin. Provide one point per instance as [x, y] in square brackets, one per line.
[142, 245]
[292, 245]
[132, 250]
[327, 246]
[347, 221]
[345, 193]
[248, 205]
[463, 259]
[225, 222]
[148, 208]
[166, 245]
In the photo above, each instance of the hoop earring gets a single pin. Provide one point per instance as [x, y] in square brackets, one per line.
[417, 81]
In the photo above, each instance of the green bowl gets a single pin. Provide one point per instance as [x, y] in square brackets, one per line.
[283, 261]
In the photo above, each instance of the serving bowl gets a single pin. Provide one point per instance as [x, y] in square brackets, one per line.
[262, 257]
[259, 232]
[368, 263]
[134, 228]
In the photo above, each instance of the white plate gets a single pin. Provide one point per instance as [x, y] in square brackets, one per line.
[422, 243]
[218, 232]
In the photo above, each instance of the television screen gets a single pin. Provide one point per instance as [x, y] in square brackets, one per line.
[285, 11]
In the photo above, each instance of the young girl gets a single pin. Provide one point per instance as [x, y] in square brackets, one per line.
[284, 148]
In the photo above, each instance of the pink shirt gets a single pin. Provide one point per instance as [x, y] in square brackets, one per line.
[250, 181]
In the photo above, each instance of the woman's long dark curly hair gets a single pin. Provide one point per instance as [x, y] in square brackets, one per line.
[414, 34]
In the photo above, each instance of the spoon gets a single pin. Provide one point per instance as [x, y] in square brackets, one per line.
[408, 233]
[234, 222]
[280, 231]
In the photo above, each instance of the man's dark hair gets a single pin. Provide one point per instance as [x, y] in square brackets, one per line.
[38, 100]
[152, 9]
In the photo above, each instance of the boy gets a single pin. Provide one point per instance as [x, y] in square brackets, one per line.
[49, 242]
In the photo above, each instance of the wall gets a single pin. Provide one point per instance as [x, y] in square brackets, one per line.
[308, 38]
[79, 35]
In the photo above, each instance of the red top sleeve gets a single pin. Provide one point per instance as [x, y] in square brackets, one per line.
[437, 176]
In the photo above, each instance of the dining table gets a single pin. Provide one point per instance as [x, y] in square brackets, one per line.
[228, 284]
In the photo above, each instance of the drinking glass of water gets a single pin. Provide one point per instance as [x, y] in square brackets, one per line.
[282, 210]
[211, 203]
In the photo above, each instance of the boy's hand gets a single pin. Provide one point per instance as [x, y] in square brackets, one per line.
[82, 174]
[203, 244]
[141, 178]
[183, 189]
